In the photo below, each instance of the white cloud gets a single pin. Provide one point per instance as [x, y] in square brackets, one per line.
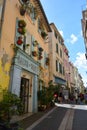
[72, 39]
[61, 32]
[81, 61]
[81, 64]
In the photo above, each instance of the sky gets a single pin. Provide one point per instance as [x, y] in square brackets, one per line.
[67, 15]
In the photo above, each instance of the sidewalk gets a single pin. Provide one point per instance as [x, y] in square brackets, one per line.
[25, 123]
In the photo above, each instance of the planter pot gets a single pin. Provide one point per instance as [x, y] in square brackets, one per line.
[25, 1]
[34, 53]
[21, 23]
[19, 41]
[21, 30]
[43, 34]
[22, 11]
[40, 57]
[40, 49]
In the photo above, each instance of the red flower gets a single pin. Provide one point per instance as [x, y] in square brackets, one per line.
[19, 41]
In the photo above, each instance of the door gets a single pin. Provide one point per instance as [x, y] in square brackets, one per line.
[24, 94]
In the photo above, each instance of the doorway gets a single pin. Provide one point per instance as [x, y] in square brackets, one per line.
[24, 93]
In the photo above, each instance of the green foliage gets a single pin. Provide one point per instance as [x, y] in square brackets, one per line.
[9, 106]
[45, 95]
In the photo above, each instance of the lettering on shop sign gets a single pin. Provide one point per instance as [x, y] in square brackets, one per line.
[27, 64]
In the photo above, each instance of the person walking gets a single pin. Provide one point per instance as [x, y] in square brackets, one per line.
[85, 97]
[76, 97]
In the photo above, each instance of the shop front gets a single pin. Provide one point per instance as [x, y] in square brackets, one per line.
[24, 80]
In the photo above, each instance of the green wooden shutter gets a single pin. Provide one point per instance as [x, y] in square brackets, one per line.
[28, 43]
[32, 47]
[17, 34]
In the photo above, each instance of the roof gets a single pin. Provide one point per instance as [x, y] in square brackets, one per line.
[42, 14]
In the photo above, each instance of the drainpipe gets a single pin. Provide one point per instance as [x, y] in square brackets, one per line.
[2, 17]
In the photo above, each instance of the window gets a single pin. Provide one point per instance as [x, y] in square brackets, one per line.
[1, 12]
[56, 65]
[60, 68]
[55, 34]
[1, 7]
[60, 53]
[56, 47]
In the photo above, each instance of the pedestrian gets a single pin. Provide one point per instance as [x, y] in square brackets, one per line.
[85, 97]
[60, 97]
[76, 97]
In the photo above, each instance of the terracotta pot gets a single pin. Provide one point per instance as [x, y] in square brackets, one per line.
[22, 11]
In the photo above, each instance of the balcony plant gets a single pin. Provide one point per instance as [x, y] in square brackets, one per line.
[40, 49]
[10, 105]
[34, 53]
[25, 1]
[19, 41]
[35, 43]
[40, 57]
[47, 61]
[22, 31]
[21, 23]
[22, 10]
[43, 34]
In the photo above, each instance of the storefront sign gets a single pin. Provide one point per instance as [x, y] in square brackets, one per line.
[26, 63]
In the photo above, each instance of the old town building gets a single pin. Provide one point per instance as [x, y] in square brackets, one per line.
[24, 57]
[56, 54]
[84, 28]
[32, 52]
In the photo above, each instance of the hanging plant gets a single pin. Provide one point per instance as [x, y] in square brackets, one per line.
[35, 13]
[40, 57]
[19, 41]
[43, 34]
[22, 10]
[40, 49]
[21, 23]
[35, 43]
[25, 1]
[47, 61]
[22, 30]
[34, 53]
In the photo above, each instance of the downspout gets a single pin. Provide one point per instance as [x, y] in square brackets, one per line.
[2, 18]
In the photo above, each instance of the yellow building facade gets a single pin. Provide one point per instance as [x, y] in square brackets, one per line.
[24, 61]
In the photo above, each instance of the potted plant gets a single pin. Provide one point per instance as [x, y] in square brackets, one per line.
[22, 10]
[10, 105]
[40, 49]
[35, 43]
[21, 23]
[22, 30]
[43, 34]
[19, 41]
[25, 1]
[40, 57]
[34, 53]
[47, 61]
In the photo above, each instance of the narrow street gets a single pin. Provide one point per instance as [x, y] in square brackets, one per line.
[60, 118]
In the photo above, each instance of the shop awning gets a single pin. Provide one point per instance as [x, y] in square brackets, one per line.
[59, 80]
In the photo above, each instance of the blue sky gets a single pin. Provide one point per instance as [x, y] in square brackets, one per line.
[67, 15]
